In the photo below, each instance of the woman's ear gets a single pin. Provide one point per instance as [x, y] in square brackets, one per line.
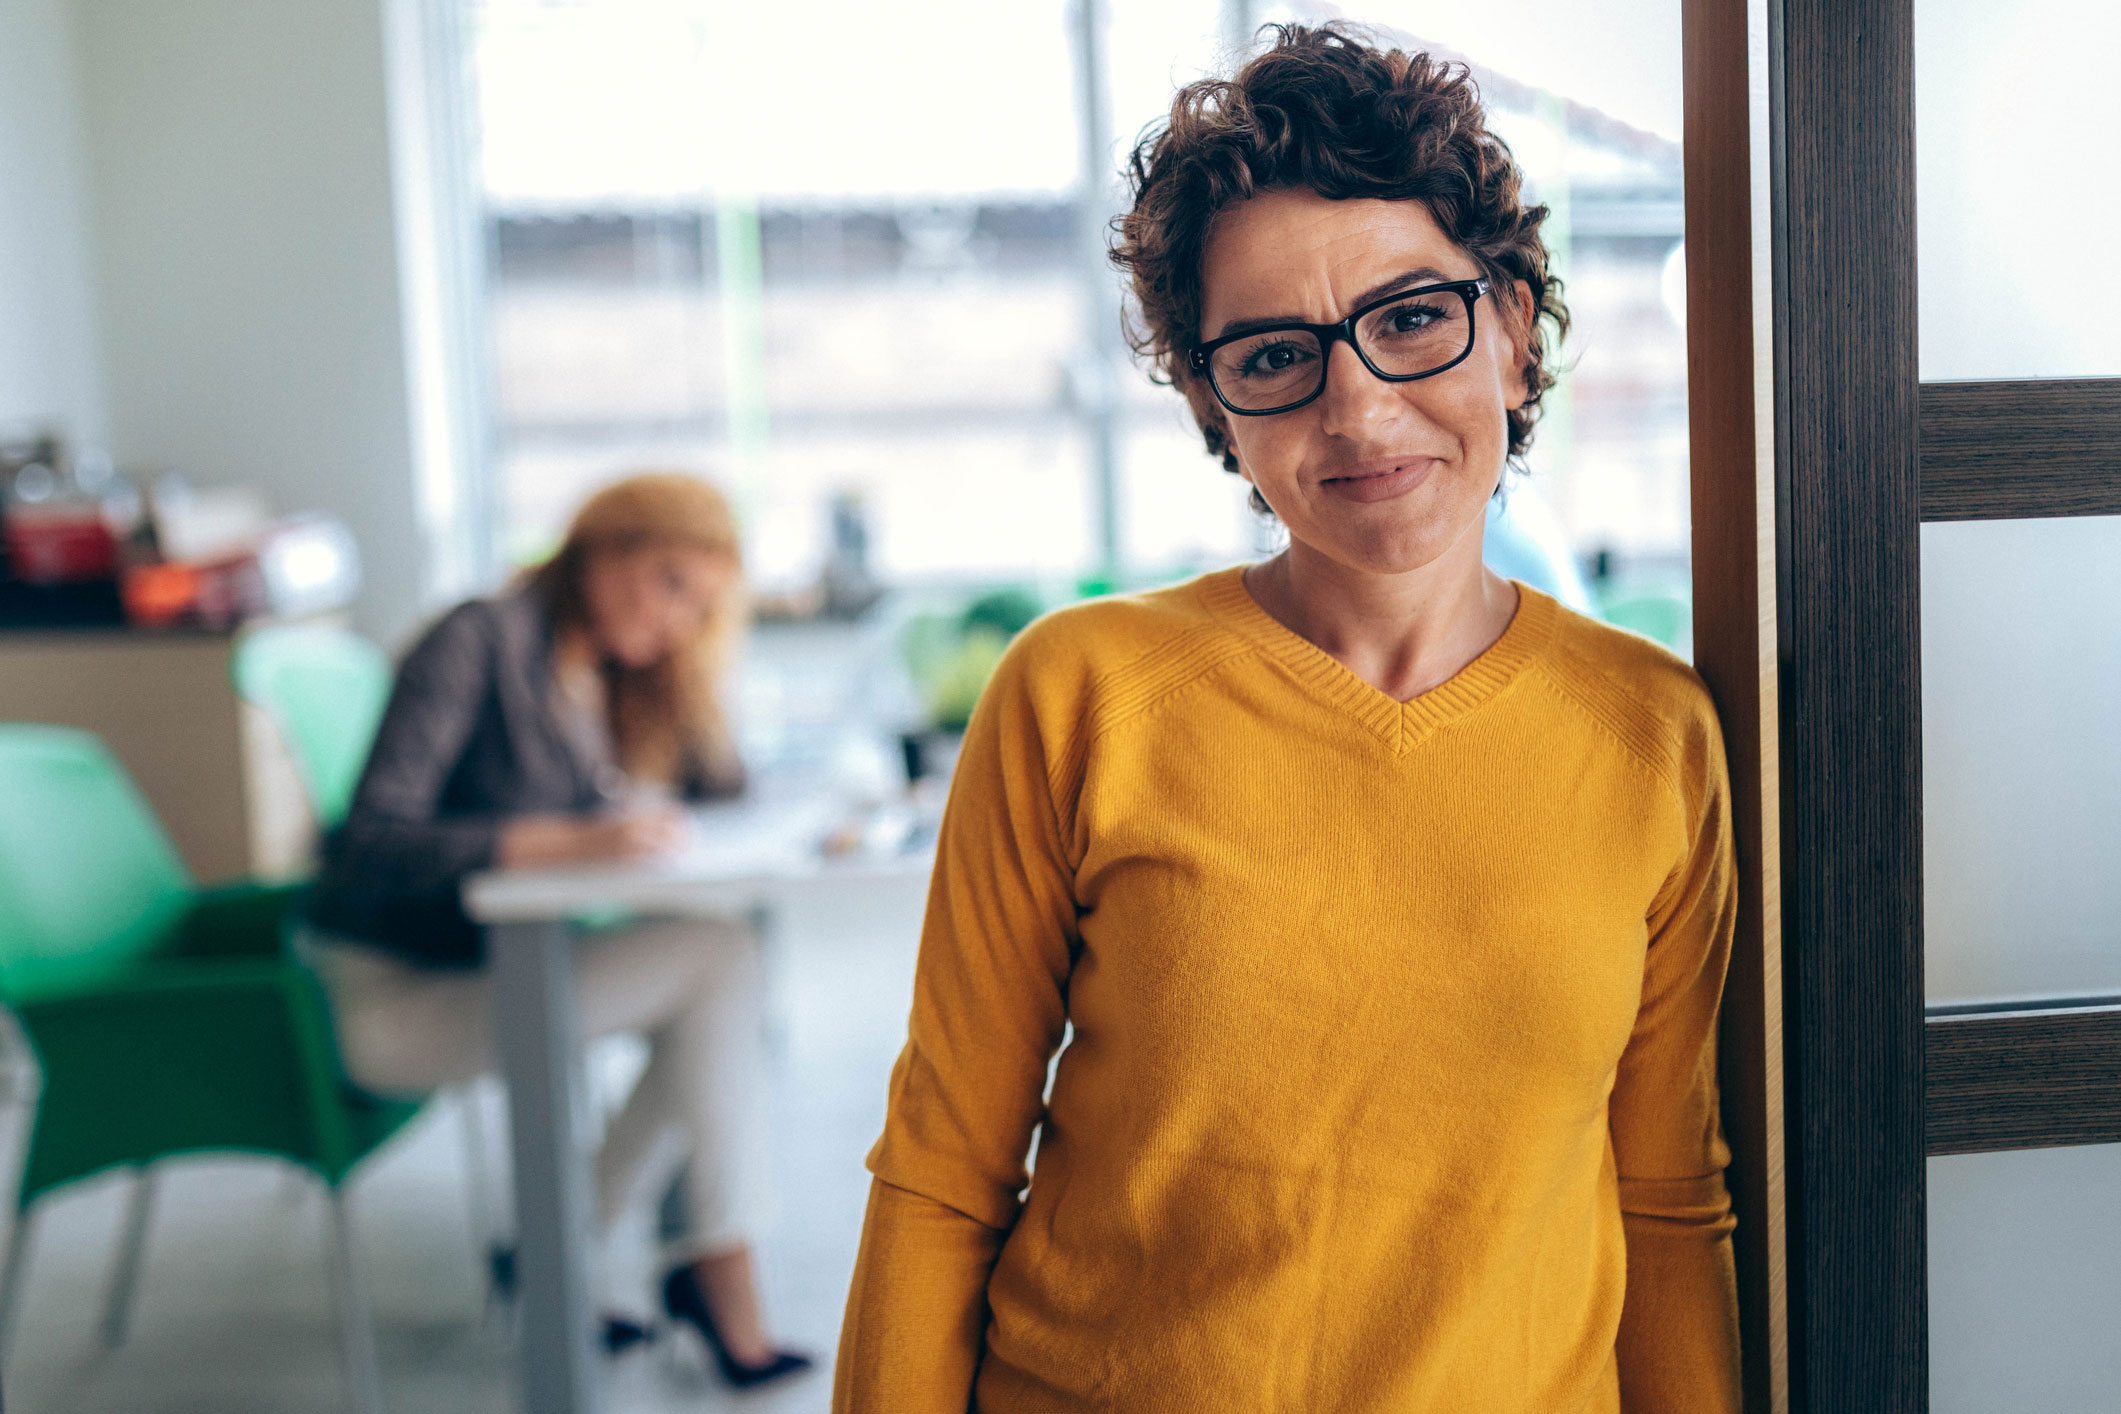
[1518, 313]
[1214, 426]
[1230, 459]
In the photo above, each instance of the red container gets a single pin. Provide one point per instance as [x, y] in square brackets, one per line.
[157, 596]
[60, 544]
[215, 594]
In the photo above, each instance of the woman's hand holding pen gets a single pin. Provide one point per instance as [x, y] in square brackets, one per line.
[530, 841]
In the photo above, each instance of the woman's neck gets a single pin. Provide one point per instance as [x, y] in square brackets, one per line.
[1401, 633]
[577, 666]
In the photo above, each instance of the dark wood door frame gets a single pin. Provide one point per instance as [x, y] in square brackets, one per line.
[1816, 456]
[1730, 362]
[1848, 511]
[2017, 450]
[2024, 1080]
[2041, 1074]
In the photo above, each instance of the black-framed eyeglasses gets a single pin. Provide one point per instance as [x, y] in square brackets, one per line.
[1415, 333]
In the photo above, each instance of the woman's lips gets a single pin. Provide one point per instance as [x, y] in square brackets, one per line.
[1381, 481]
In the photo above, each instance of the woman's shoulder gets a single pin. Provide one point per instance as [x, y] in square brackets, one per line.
[1115, 639]
[470, 642]
[465, 620]
[1113, 648]
[1115, 627]
[1640, 690]
[480, 624]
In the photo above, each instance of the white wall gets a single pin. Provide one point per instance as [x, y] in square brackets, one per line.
[49, 373]
[238, 157]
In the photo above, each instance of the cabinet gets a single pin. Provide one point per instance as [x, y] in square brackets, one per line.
[214, 767]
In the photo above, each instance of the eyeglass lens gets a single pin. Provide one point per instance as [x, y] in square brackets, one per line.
[1277, 367]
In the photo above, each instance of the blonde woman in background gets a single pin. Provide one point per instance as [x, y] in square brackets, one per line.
[563, 721]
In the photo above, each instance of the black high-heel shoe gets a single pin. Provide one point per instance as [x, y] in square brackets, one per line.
[619, 1334]
[500, 1273]
[684, 1301]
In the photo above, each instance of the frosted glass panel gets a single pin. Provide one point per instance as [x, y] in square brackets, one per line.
[2025, 1281]
[2021, 758]
[2018, 188]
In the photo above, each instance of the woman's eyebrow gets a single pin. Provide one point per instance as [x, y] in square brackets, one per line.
[1419, 275]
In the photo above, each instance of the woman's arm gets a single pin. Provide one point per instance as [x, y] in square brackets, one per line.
[393, 834]
[988, 1010]
[1678, 1344]
[917, 1311]
[715, 772]
[532, 841]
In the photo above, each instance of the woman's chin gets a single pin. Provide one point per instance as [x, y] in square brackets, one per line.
[1384, 546]
[635, 657]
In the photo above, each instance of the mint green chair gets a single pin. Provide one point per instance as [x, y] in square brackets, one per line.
[325, 688]
[1661, 614]
[165, 1020]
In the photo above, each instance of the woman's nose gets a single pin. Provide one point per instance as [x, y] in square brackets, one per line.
[1355, 398]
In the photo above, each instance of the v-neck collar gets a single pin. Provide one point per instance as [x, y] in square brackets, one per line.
[1398, 725]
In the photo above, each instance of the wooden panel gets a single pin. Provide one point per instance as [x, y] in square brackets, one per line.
[1730, 361]
[1944, 1011]
[2024, 1082]
[2011, 451]
[1848, 502]
[166, 707]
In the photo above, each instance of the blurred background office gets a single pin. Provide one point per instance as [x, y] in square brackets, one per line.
[319, 315]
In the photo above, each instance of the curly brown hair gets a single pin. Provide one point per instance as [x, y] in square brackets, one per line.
[1324, 110]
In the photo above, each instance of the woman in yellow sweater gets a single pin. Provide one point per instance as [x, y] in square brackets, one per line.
[1384, 902]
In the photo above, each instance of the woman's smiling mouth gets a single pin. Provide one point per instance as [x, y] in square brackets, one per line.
[1380, 480]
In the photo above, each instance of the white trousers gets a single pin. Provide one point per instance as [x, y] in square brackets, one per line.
[691, 987]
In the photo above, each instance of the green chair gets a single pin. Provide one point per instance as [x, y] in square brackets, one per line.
[325, 688]
[165, 1019]
[1661, 614]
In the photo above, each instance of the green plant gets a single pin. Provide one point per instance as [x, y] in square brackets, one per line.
[951, 655]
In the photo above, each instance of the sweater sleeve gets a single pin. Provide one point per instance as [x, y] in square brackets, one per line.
[989, 1005]
[1677, 1350]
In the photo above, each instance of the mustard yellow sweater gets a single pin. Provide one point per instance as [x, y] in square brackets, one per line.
[1391, 1082]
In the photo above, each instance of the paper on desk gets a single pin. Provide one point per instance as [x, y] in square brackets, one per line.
[752, 837]
[732, 850]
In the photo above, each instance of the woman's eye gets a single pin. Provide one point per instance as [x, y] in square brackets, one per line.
[1271, 358]
[1412, 318]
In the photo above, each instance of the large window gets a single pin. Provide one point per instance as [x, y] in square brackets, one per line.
[844, 256]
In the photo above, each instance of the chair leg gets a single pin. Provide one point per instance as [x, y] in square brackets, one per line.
[18, 1243]
[132, 1247]
[492, 1253]
[363, 1376]
[20, 1083]
[478, 1181]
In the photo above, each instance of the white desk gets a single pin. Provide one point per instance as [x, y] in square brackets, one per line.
[743, 858]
